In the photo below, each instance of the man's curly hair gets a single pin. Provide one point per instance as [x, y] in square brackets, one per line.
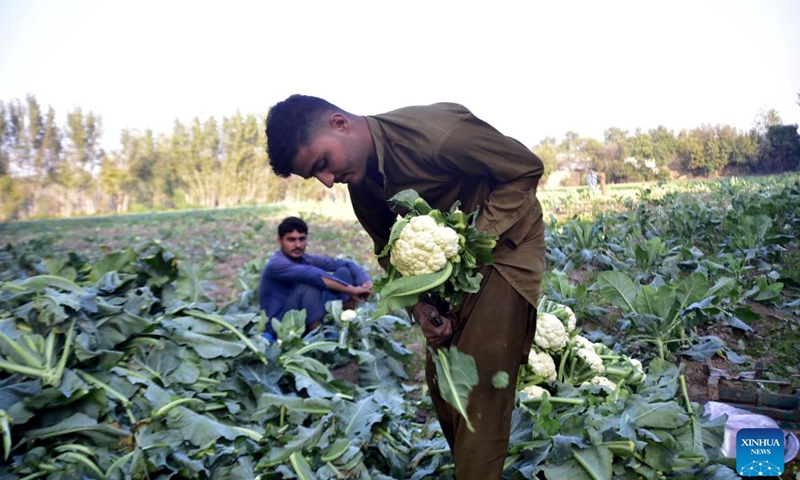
[291, 124]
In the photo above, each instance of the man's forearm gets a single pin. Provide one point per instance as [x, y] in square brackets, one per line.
[336, 286]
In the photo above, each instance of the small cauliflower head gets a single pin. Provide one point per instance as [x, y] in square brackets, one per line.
[348, 315]
[550, 333]
[583, 342]
[592, 359]
[603, 382]
[423, 247]
[572, 322]
[542, 365]
[534, 391]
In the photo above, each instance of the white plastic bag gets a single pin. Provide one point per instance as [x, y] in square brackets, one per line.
[738, 419]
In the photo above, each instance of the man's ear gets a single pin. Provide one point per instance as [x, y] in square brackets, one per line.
[339, 122]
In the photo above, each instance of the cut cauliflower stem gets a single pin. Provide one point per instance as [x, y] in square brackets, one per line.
[542, 365]
[637, 365]
[550, 333]
[593, 359]
[423, 247]
[603, 382]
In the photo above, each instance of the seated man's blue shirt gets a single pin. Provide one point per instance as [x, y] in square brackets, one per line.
[282, 275]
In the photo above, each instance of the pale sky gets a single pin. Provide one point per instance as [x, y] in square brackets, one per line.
[530, 68]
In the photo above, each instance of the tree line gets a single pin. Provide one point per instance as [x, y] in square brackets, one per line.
[659, 154]
[52, 169]
[49, 169]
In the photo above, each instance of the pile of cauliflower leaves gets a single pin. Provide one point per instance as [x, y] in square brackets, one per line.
[431, 252]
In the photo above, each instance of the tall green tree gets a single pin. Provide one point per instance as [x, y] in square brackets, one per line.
[780, 150]
[4, 126]
[35, 133]
[179, 150]
[641, 146]
[619, 138]
[17, 138]
[664, 145]
[49, 154]
[571, 141]
[547, 152]
[84, 131]
[765, 119]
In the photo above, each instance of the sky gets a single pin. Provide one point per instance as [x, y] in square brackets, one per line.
[530, 68]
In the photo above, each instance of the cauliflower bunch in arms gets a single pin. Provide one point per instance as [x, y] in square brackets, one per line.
[432, 252]
[423, 246]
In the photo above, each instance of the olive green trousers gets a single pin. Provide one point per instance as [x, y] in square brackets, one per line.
[496, 326]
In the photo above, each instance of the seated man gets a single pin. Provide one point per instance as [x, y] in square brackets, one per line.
[295, 280]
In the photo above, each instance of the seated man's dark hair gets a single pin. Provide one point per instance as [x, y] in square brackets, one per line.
[292, 224]
[291, 125]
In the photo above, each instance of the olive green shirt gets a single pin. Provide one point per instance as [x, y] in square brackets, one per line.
[445, 153]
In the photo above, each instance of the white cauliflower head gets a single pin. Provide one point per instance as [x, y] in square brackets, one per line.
[603, 382]
[348, 315]
[593, 359]
[542, 365]
[534, 391]
[423, 247]
[583, 342]
[447, 239]
[550, 333]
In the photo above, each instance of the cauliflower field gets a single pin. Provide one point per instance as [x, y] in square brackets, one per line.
[121, 360]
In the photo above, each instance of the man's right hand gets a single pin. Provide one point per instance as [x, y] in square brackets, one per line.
[436, 328]
[360, 293]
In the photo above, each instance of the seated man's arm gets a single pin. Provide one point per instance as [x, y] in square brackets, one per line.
[284, 270]
[357, 292]
[361, 281]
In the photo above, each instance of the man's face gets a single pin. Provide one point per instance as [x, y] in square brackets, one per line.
[332, 156]
[293, 244]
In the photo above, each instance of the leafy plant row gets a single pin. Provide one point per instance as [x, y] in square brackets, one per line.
[128, 371]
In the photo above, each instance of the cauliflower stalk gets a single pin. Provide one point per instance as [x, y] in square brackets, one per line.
[424, 246]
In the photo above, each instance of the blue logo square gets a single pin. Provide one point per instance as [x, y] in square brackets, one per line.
[759, 452]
